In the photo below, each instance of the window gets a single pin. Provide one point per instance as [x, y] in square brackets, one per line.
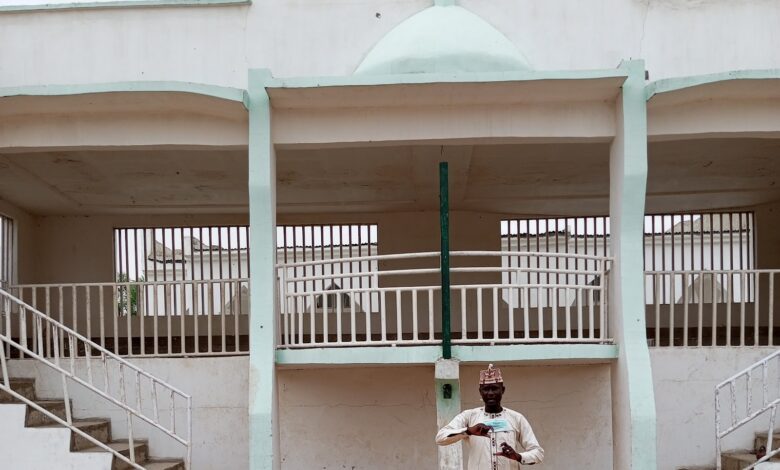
[181, 253]
[680, 248]
[321, 247]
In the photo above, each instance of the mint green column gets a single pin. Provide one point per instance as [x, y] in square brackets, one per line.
[633, 403]
[263, 405]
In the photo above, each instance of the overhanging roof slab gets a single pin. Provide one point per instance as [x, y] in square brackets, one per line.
[125, 115]
[732, 104]
[426, 107]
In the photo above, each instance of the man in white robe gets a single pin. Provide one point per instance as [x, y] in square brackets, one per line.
[492, 433]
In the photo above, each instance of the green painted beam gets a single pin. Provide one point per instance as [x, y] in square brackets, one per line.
[224, 93]
[568, 353]
[119, 4]
[444, 227]
[679, 83]
[425, 355]
[377, 355]
[425, 78]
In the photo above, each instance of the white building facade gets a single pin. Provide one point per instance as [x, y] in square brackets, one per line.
[178, 115]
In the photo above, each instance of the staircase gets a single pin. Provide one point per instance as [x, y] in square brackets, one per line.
[26, 332]
[98, 428]
[740, 391]
[737, 460]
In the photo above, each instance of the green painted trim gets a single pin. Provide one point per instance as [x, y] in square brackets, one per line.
[263, 404]
[674, 84]
[361, 355]
[632, 379]
[425, 355]
[444, 227]
[224, 93]
[536, 353]
[424, 78]
[120, 4]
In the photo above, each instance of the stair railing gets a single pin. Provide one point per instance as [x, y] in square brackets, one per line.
[768, 404]
[66, 345]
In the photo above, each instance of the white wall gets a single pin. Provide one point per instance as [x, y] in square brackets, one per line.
[685, 380]
[217, 45]
[219, 387]
[36, 448]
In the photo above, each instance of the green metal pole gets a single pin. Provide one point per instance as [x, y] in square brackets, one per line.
[444, 221]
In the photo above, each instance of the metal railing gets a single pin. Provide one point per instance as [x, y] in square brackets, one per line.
[100, 364]
[149, 318]
[711, 307]
[769, 403]
[498, 297]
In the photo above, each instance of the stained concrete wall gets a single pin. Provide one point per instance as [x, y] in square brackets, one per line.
[385, 418]
[357, 418]
[684, 381]
[217, 45]
[569, 408]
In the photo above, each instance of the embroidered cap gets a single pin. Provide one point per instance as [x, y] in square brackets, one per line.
[490, 376]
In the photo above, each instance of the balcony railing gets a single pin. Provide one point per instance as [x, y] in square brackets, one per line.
[395, 300]
[165, 318]
[711, 307]
[388, 300]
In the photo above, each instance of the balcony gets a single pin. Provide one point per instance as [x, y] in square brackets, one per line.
[395, 300]
[379, 300]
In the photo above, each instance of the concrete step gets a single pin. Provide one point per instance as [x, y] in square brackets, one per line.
[164, 465]
[24, 387]
[36, 418]
[741, 459]
[141, 448]
[761, 438]
[98, 428]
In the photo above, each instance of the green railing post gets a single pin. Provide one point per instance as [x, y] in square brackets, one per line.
[444, 222]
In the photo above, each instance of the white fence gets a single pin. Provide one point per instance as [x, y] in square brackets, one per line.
[497, 297]
[172, 318]
[711, 307]
[750, 395]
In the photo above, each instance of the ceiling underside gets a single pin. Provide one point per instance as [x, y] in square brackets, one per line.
[522, 179]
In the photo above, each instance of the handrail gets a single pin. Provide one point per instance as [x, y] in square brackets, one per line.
[767, 405]
[431, 254]
[74, 340]
[132, 283]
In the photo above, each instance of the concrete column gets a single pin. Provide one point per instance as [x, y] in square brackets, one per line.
[447, 407]
[633, 403]
[263, 404]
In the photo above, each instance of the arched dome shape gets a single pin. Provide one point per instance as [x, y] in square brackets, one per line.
[443, 39]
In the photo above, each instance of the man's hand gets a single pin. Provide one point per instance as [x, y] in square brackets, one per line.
[508, 452]
[479, 429]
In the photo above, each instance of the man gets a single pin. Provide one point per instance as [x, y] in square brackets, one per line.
[493, 433]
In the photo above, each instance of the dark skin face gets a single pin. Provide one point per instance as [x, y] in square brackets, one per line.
[491, 396]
